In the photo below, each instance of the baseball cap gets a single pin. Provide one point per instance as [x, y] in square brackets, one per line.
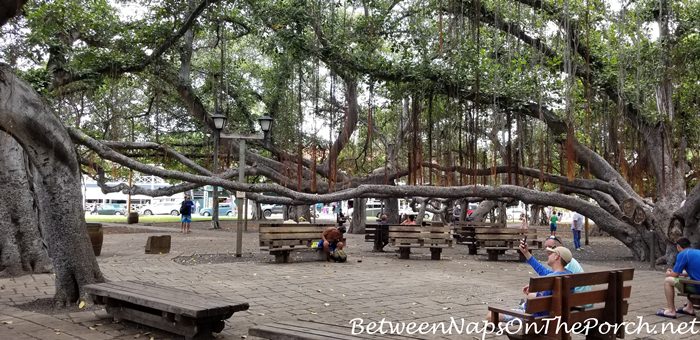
[563, 252]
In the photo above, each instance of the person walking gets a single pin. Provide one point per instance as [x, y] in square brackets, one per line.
[523, 222]
[576, 228]
[553, 223]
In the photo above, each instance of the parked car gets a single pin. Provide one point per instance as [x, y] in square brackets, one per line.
[374, 209]
[269, 209]
[162, 208]
[110, 209]
[224, 209]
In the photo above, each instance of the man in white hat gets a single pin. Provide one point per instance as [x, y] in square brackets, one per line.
[557, 259]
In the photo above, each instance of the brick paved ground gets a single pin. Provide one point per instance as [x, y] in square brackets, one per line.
[371, 286]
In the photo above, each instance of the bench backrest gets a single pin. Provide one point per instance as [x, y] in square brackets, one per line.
[281, 235]
[490, 236]
[504, 233]
[413, 234]
[479, 224]
[608, 295]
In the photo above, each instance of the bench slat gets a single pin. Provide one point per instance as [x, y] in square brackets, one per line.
[174, 295]
[404, 235]
[596, 296]
[295, 229]
[581, 279]
[283, 243]
[295, 236]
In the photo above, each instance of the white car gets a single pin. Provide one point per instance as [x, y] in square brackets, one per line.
[161, 208]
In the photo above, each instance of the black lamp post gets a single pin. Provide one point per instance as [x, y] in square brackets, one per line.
[219, 123]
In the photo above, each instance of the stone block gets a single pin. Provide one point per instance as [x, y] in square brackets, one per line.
[158, 244]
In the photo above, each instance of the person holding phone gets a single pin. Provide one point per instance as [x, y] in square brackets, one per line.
[557, 259]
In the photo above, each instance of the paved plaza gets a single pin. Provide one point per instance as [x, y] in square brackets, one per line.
[371, 286]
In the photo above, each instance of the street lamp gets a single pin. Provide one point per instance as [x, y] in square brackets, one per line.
[265, 125]
[219, 123]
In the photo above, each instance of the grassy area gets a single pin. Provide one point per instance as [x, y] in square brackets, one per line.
[150, 219]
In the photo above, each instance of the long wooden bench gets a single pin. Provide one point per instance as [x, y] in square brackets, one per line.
[609, 298]
[406, 237]
[281, 239]
[178, 311]
[305, 330]
[464, 232]
[497, 240]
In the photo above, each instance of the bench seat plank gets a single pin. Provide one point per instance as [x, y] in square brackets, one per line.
[166, 296]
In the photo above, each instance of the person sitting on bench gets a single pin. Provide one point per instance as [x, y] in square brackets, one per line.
[557, 259]
[689, 260]
[331, 243]
[410, 220]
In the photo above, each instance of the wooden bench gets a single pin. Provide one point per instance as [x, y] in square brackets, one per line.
[609, 296]
[174, 310]
[464, 232]
[406, 237]
[305, 330]
[281, 239]
[497, 241]
[693, 296]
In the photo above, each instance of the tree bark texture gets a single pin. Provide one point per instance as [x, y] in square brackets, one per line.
[359, 216]
[22, 249]
[50, 151]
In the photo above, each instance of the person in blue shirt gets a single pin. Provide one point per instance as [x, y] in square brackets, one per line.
[186, 208]
[573, 266]
[557, 259]
[688, 260]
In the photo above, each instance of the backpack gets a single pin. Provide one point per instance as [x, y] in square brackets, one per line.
[339, 256]
[184, 208]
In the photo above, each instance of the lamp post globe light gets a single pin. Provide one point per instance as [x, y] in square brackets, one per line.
[219, 123]
[265, 123]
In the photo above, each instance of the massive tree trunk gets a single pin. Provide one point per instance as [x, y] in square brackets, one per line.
[21, 248]
[359, 216]
[59, 200]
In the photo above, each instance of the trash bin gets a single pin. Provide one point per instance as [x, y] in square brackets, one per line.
[132, 218]
[96, 236]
